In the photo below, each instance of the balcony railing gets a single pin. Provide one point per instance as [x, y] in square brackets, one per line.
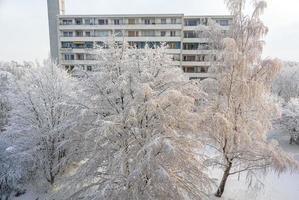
[197, 48]
[124, 35]
[121, 23]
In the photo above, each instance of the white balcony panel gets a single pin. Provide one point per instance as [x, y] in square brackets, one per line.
[73, 39]
[173, 51]
[153, 39]
[79, 62]
[70, 50]
[199, 75]
[128, 39]
[195, 52]
[202, 28]
[123, 27]
[177, 63]
[195, 63]
[196, 40]
[193, 28]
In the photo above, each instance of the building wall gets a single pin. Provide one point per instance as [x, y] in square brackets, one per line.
[55, 8]
[78, 34]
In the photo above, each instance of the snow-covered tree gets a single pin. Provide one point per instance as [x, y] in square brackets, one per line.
[290, 119]
[240, 110]
[144, 139]
[4, 103]
[15, 167]
[43, 117]
[7, 86]
[286, 85]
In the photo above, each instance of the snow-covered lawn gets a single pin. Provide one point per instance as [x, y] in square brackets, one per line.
[283, 187]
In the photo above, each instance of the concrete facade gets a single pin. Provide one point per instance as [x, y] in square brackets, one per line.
[73, 37]
[55, 9]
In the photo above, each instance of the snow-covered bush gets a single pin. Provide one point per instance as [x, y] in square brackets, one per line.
[143, 142]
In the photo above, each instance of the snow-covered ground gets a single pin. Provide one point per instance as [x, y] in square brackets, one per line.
[282, 187]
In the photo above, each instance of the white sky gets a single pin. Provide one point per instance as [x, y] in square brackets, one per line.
[24, 25]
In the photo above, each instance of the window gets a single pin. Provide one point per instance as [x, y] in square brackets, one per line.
[103, 21]
[189, 69]
[203, 46]
[131, 21]
[201, 58]
[78, 21]
[190, 46]
[118, 33]
[190, 34]
[87, 34]
[67, 22]
[79, 45]
[102, 33]
[222, 22]
[138, 45]
[67, 45]
[148, 33]
[163, 21]
[89, 45]
[203, 69]
[174, 45]
[189, 58]
[89, 68]
[204, 21]
[132, 33]
[80, 56]
[173, 21]
[191, 22]
[67, 34]
[69, 57]
[163, 33]
[102, 44]
[79, 33]
[172, 33]
[116, 21]
[147, 21]
[87, 21]
[196, 69]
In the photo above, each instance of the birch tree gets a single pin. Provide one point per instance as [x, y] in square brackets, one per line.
[240, 110]
[143, 143]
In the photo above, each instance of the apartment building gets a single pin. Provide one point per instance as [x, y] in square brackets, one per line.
[76, 36]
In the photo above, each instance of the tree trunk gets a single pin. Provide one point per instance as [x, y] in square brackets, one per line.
[221, 187]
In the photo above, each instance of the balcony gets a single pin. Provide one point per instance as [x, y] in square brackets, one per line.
[195, 63]
[118, 24]
[199, 75]
[139, 26]
[198, 51]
